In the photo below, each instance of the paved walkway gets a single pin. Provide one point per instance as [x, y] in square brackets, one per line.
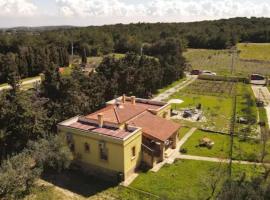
[189, 157]
[175, 152]
[185, 138]
[166, 94]
[31, 81]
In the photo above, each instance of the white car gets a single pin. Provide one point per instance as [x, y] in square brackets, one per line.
[209, 73]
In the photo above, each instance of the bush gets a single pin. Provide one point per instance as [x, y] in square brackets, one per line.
[183, 150]
[17, 176]
[51, 153]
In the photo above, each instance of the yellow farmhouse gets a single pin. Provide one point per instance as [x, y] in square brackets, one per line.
[115, 140]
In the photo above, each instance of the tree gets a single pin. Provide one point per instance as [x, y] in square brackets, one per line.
[17, 176]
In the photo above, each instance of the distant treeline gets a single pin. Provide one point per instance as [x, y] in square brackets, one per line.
[31, 48]
[218, 34]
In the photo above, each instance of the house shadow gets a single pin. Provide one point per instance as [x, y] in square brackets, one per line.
[78, 182]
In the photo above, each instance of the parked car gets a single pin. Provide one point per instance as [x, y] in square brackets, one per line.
[257, 77]
[209, 73]
[195, 72]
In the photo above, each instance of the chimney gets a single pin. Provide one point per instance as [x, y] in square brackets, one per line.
[100, 120]
[123, 98]
[133, 99]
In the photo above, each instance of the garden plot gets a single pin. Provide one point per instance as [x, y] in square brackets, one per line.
[211, 88]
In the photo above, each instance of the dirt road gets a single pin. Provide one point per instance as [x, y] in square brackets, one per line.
[27, 82]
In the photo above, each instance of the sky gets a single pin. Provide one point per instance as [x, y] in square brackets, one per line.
[99, 12]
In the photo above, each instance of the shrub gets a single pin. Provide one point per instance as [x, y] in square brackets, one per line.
[17, 176]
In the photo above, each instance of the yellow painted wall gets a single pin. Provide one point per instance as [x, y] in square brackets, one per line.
[119, 151]
[167, 110]
[131, 162]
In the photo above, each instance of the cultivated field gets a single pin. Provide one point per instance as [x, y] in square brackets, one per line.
[254, 51]
[220, 61]
[210, 88]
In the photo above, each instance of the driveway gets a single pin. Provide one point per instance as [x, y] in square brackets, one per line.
[262, 93]
[166, 94]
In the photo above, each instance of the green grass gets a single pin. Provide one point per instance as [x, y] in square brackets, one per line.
[183, 131]
[219, 150]
[219, 61]
[248, 150]
[188, 179]
[216, 109]
[246, 108]
[254, 51]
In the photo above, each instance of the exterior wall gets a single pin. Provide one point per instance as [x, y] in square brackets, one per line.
[165, 112]
[119, 151]
[130, 162]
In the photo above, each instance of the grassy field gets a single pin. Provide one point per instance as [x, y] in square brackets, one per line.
[220, 61]
[254, 51]
[188, 179]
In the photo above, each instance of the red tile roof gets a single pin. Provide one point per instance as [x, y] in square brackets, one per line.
[121, 113]
[155, 126]
[118, 133]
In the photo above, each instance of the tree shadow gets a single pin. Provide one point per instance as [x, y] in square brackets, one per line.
[78, 182]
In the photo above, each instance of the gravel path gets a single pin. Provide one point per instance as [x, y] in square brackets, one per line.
[262, 92]
[200, 158]
[166, 94]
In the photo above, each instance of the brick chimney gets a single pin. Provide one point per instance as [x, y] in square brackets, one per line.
[100, 120]
[123, 98]
[133, 99]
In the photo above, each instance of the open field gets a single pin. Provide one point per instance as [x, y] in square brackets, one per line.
[254, 51]
[188, 179]
[220, 61]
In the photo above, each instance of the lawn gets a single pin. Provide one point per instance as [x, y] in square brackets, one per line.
[219, 150]
[254, 51]
[249, 149]
[217, 110]
[183, 131]
[220, 61]
[188, 179]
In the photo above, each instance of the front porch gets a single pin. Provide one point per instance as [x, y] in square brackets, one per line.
[155, 151]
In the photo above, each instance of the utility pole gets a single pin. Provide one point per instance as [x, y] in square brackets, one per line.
[232, 64]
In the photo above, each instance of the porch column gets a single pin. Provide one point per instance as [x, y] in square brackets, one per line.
[162, 151]
[174, 140]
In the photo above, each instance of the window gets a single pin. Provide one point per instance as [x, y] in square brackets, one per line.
[133, 151]
[103, 151]
[86, 147]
